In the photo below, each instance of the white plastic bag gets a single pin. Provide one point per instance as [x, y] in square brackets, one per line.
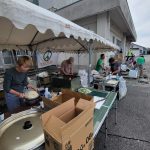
[94, 72]
[133, 73]
[123, 67]
[122, 88]
[83, 77]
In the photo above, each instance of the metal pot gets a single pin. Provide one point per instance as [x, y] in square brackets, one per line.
[33, 101]
[22, 131]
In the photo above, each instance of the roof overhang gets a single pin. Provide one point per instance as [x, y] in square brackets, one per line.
[88, 8]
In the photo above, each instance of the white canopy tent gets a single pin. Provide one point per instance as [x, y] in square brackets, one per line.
[24, 25]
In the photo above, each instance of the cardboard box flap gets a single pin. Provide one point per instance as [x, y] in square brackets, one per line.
[71, 127]
[53, 127]
[69, 115]
[87, 112]
[58, 111]
[49, 103]
[77, 95]
[83, 104]
[56, 97]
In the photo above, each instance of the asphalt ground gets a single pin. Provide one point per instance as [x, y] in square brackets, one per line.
[132, 131]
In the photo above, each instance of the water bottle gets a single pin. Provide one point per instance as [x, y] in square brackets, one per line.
[110, 75]
[47, 94]
[1, 117]
[117, 76]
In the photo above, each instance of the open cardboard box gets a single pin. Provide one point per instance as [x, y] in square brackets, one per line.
[69, 126]
[65, 96]
[68, 94]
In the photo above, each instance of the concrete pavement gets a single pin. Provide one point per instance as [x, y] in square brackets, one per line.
[132, 131]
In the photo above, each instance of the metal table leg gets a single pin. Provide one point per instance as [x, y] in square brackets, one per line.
[116, 107]
[106, 132]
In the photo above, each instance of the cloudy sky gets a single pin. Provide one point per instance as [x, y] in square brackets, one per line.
[140, 11]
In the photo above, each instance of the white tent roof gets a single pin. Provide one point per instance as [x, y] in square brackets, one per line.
[23, 24]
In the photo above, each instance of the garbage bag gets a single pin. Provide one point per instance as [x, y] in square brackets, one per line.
[122, 88]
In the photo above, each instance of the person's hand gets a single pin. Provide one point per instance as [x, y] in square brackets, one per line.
[21, 95]
[33, 88]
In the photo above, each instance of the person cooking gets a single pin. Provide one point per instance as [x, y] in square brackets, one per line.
[15, 80]
[114, 66]
[100, 63]
[67, 66]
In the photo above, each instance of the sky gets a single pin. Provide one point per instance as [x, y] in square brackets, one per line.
[140, 11]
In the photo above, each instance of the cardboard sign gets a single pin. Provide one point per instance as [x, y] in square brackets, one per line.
[47, 58]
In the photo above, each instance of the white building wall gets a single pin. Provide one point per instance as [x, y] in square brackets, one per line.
[136, 52]
[100, 24]
[116, 33]
[103, 25]
[89, 23]
[128, 44]
[1, 60]
[47, 4]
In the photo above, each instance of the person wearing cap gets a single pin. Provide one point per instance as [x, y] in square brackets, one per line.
[67, 66]
[15, 80]
[100, 63]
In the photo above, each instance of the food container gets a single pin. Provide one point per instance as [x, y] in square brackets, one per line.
[22, 131]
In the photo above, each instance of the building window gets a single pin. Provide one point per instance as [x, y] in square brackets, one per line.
[118, 42]
[20, 53]
[8, 57]
[113, 39]
[36, 2]
[141, 51]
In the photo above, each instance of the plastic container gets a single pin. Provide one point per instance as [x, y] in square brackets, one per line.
[117, 77]
[110, 76]
[1, 117]
[47, 94]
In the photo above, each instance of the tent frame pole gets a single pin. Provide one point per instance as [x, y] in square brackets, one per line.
[90, 47]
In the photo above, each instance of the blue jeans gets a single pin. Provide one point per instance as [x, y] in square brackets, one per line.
[13, 101]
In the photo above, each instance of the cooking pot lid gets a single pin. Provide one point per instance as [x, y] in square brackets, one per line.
[21, 132]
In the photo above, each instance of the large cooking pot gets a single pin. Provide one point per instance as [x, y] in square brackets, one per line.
[33, 100]
[22, 131]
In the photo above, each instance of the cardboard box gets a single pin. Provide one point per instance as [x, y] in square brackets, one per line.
[69, 126]
[48, 103]
[68, 94]
[65, 96]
